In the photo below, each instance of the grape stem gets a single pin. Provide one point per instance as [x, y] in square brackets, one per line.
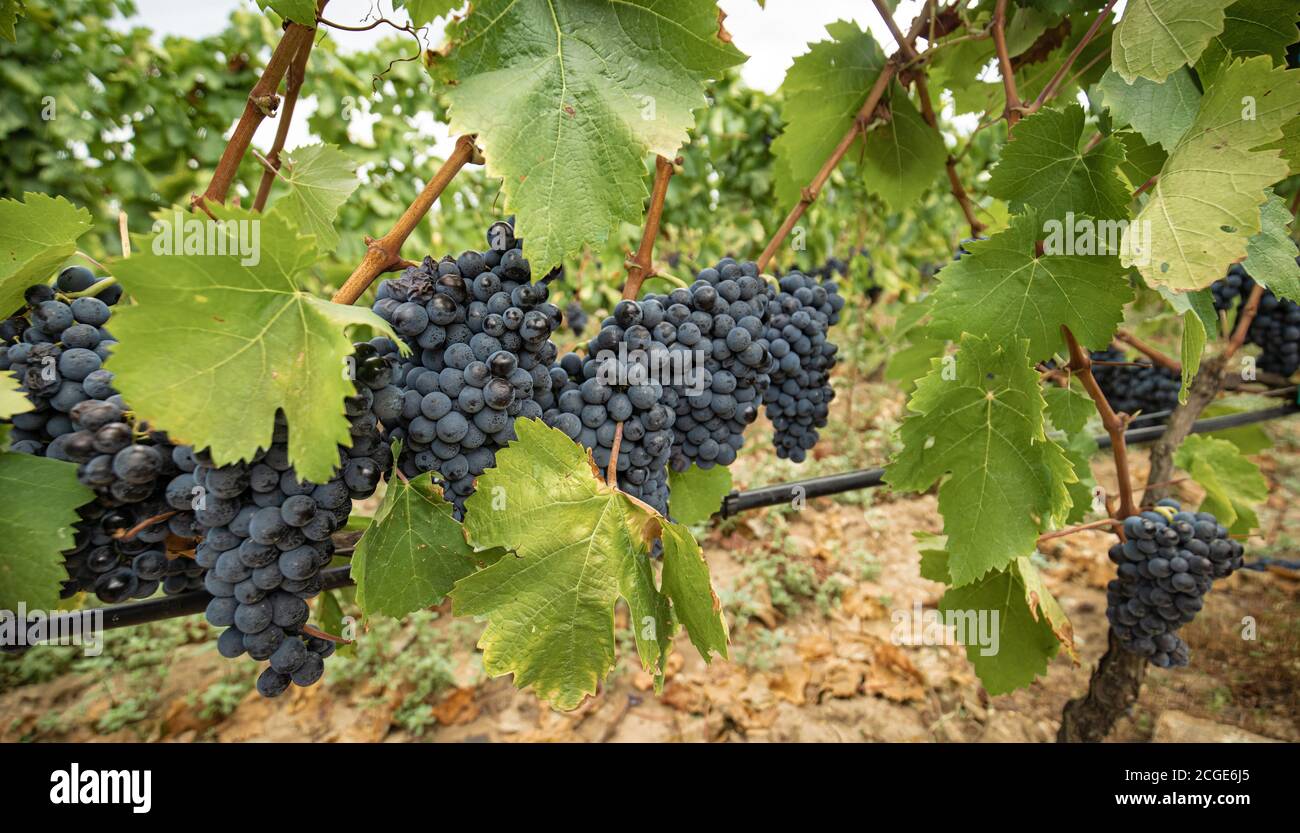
[123, 235]
[92, 290]
[1115, 424]
[927, 112]
[611, 474]
[383, 255]
[293, 84]
[672, 279]
[143, 525]
[101, 267]
[1244, 320]
[1149, 351]
[309, 630]
[262, 101]
[1070, 530]
[641, 265]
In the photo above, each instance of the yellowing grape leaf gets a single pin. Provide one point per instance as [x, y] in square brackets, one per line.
[976, 424]
[568, 96]
[1045, 168]
[217, 343]
[413, 552]
[39, 497]
[1011, 624]
[36, 235]
[1161, 112]
[1205, 206]
[1156, 37]
[1233, 484]
[1003, 289]
[12, 401]
[576, 546]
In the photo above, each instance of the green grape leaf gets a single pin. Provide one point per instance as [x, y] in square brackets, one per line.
[1043, 168]
[36, 235]
[1249, 439]
[1156, 37]
[903, 156]
[329, 618]
[1141, 160]
[1191, 348]
[1233, 484]
[39, 497]
[1018, 626]
[1161, 112]
[1200, 302]
[907, 365]
[1192, 237]
[1004, 289]
[686, 583]
[424, 12]
[9, 11]
[567, 97]
[1271, 254]
[248, 333]
[413, 553]
[577, 545]
[977, 424]
[1251, 27]
[934, 558]
[1079, 449]
[299, 11]
[696, 494]
[821, 95]
[1068, 409]
[320, 179]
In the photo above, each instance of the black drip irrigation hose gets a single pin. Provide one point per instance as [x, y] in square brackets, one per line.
[186, 604]
[738, 502]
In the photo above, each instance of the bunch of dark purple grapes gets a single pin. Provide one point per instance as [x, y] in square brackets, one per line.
[1276, 326]
[480, 331]
[1165, 567]
[1147, 389]
[267, 533]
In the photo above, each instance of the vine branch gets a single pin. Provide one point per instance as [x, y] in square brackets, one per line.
[1012, 111]
[927, 112]
[293, 84]
[1148, 350]
[861, 122]
[383, 254]
[1054, 85]
[1081, 365]
[262, 102]
[641, 265]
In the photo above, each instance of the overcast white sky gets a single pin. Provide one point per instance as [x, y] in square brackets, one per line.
[771, 37]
